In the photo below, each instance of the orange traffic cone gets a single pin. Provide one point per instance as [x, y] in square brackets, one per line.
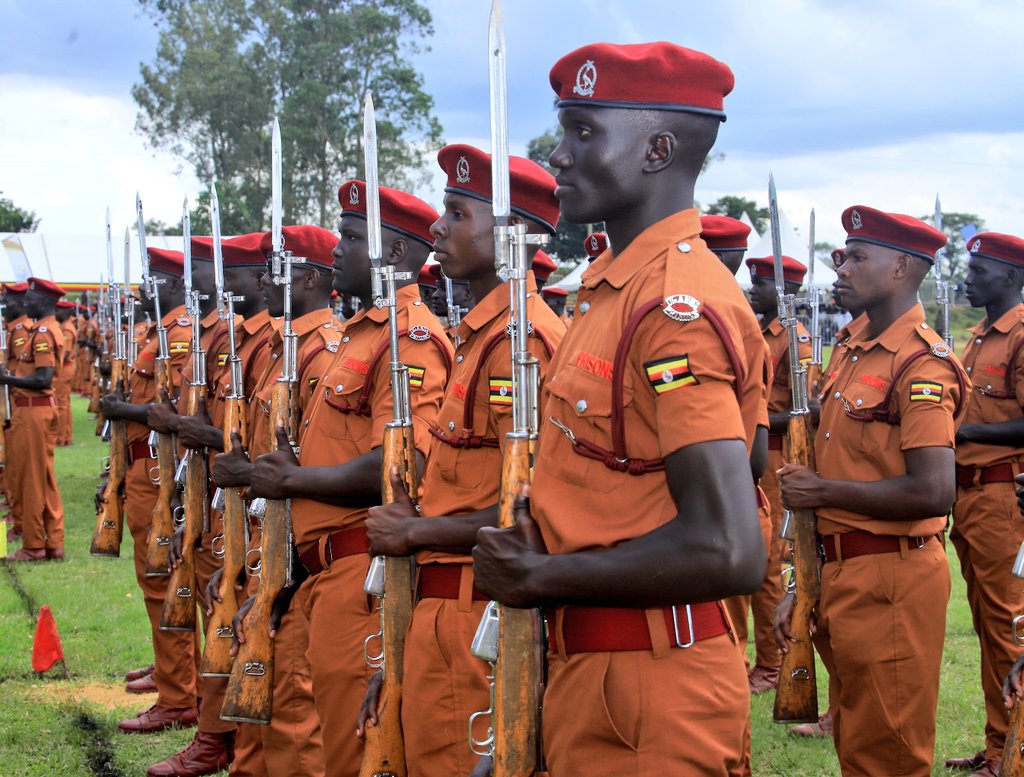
[46, 647]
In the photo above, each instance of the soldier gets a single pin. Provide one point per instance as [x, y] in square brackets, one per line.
[338, 466]
[986, 528]
[889, 407]
[173, 674]
[595, 244]
[622, 489]
[727, 238]
[542, 266]
[62, 380]
[34, 428]
[461, 482]
[556, 299]
[18, 327]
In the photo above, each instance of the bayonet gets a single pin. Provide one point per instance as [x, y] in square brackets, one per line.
[942, 286]
[814, 299]
[132, 345]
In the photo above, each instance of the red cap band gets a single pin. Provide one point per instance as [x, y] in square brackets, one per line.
[165, 260]
[314, 244]
[543, 265]
[48, 288]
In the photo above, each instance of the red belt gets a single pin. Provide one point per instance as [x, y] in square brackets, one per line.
[970, 477]
[612, 629]
[347, 542]
[862, 543]
[138, 450]
[443, 581]
[775, 442]
[34, 401]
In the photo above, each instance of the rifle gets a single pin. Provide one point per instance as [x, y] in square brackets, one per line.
[510, 638]
[814, 300]
[1013, 748]
[5, 395]
[162, 447]
[384, 751]
[234, 538]
[942, 287]
[249, 697]
[796, 698]
[106, 536]
[179, 613]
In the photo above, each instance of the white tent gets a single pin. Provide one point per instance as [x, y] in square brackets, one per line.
[571, 282]
[794, 244]
[754, 235]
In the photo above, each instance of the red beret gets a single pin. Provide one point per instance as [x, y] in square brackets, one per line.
[764, 267]
[892, 230]
[312, 243]
[65, 303]
[15, 288]
[399, 211]
[995, 245]
[724, 233]
[533, 187]
[553, 292]
[660, 76]
[202, 248]
[595, 244]
[434, 270]
[45, 287]
[244, 251]
[838, 256]
[543, 265]
[170, 262]
[426, 276]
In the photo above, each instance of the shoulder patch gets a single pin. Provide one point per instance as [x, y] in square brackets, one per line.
[419, 333]
[416, 375]
[43, 346]
[941, 350]
[925, 391]
[681, 307]
[501, 391]
[670, 373]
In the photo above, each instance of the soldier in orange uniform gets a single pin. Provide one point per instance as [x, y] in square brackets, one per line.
[884, 484]
[65, 316]
[645, 510]
[556, 299]
[460, 484]
[34, 427]
[17, 341]
[986, 528]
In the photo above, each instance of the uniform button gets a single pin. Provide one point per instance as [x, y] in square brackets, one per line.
[836, 395]
[683, 247]
[340, 387]
[581, 406]
[978, 341]
[327, 326]
[583, 307]
[306, 422]
[860, 402]
[345, 339]
[924, 326]
[988, 387]
[854, 358]
[451, 426]
[828, 435]
[416, 302]
[969, 369]
[459, 358]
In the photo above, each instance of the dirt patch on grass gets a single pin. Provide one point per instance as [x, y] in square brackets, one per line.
[107, 696]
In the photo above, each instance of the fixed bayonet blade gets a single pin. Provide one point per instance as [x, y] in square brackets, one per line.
[127, 263]
[937, 265]
[218, 259]
[372, 197]
[186, 240]
[773, 215]
[110, 251]
[141, 226]
[501, 200]
[276, 207]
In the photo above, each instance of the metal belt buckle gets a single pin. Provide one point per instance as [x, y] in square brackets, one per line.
[689, 625]
[920, 542]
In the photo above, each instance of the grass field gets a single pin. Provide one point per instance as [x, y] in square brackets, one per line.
[50, 726]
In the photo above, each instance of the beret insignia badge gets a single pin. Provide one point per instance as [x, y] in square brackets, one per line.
[856, 220]
[941, 350]
[586, 79]
[353, 195]
[462, 170]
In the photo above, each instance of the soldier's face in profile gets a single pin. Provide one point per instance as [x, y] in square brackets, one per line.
[865, 276]
[464, 237]
[986, 281]
[351, 266]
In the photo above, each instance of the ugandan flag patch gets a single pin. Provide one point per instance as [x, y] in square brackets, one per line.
[178, 347]
[222, 359]
[925, 391]
[501, 391]
[416, 375]
[670, 374]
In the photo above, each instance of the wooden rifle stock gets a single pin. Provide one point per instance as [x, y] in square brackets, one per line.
[106, 536]
[249, 697]
[796, 698]
[1013, 748]
[219, 631]
[179, 613]
[158, 545]
[384, 749]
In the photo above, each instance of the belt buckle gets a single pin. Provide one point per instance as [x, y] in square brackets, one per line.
[920, 542]
[689, 625]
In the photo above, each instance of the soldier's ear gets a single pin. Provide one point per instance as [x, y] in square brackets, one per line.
[661, 151]
[396, 251]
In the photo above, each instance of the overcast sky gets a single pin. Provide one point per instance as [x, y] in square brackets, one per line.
[880, 103]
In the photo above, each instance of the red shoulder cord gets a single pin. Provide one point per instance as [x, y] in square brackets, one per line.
[617, 459]
[893, 419]
[247, 370]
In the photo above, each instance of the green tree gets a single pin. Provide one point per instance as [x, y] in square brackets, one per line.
[224, 68]
[954, 255]
[15, 219]
[735, 207]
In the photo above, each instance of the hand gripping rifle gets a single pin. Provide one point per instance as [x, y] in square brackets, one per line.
[179, 612]
[510, 638]
[250, 693]
[454, 311]
[231, 544]
[1013, 749]
[796, 699]
[106, 536]
[389, 579]
[943, 291]
[162, 447]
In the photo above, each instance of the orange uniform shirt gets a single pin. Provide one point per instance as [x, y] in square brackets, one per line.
[680, 386]
[465, 479]
[19, 331]
[70, 333]
[45, 348]
[780, 396]
[924, 398]
[351, 402]
[142, 378]
[998, 385]
[213, 340]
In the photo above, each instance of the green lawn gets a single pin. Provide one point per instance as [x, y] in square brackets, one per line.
[55, 727]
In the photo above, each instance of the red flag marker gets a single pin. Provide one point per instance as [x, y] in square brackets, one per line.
[46, 647]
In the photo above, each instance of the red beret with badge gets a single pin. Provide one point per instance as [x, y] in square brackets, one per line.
[646, 76]
[724, 233]
[838, 256]
[15, 288]
[543, 265]
[549, 291]
[995, 245]
[532, 187]
[315, 244]
[399, 211]
[167, 261]
[764, 267]
[595, 244]
[66, 304]
[434, 270]
[45, 287]
[892, 230]
[244, 251]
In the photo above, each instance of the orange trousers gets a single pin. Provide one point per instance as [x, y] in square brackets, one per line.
[62, 390]
[340, 618]
[637, 714]
[31, 477]
[881, 627]
[444, 684]
[987, 531]
[174, 652]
